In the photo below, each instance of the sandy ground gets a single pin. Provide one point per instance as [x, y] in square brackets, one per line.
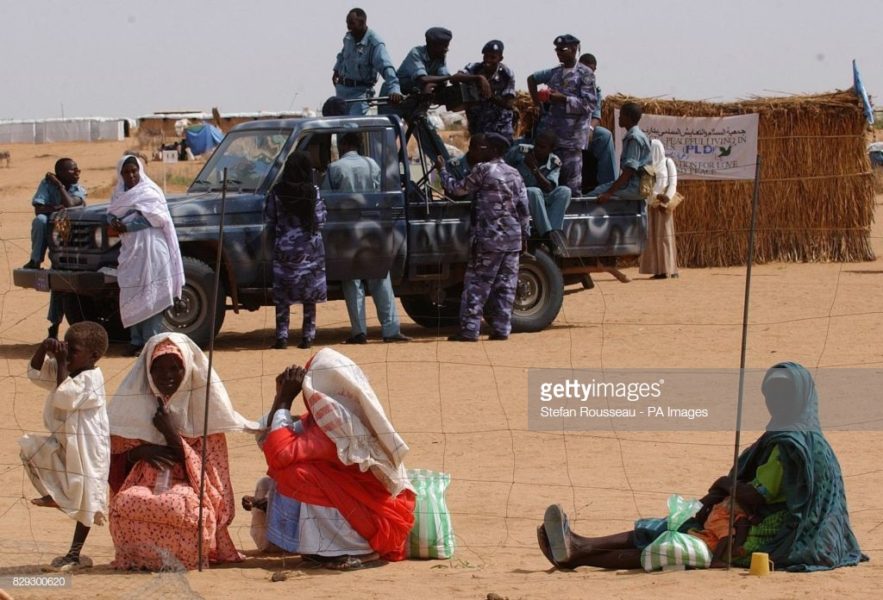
[462, 408]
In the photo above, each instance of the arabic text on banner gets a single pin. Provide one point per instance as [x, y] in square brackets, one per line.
[703, 147]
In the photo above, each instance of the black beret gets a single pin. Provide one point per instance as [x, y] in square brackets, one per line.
[492, 46]
[438, 34]
[335, 106]
[565, 40]
[498, 140]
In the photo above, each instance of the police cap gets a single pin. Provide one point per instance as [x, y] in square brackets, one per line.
[498, 141]
[492, 46]
[566, 40]
[438, 35]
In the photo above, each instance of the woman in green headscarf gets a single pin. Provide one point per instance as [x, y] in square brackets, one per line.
[789, 493]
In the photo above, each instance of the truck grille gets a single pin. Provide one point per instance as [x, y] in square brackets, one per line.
[81, 236]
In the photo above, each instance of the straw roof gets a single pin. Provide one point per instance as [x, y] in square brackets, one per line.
[816, 192]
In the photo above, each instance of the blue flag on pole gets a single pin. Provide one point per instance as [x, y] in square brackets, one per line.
[862, 93]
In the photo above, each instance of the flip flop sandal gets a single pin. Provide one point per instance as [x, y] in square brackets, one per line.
[64, 564]
[41, 502]
[543, 541]
[347, 562]
[555, 523]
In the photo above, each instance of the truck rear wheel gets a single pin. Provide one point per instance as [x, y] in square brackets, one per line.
[192, 314]
[426, 311]
[539, 293]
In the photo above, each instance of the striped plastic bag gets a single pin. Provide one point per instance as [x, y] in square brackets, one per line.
[432, 535]
[674, 548]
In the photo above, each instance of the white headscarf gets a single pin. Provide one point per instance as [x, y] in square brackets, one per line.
[133, 405]
[341, 400]
[147, 198]
[657, 158]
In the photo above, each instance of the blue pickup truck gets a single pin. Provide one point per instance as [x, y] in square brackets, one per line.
[408, 228]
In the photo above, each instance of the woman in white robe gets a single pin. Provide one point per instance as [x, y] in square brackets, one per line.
[660, 256]
[150, 272]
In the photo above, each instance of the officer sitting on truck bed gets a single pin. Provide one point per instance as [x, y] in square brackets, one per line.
[422, 77]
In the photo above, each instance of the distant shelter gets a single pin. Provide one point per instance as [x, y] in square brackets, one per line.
[80, 129]
[164, 126]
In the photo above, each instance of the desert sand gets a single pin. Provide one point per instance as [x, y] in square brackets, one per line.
[462, 408]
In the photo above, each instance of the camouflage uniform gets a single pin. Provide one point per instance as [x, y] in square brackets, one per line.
[570, 121]
[484, 116]
[298, 265]
[501, 221]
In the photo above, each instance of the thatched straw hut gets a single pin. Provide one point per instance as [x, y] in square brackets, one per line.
[816, 191]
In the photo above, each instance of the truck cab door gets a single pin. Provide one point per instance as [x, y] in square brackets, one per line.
[364, 233]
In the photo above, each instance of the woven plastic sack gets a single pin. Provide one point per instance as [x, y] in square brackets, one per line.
[432, 535]
[674, 548]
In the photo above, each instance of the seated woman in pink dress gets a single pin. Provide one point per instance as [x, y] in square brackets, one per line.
[156, 422]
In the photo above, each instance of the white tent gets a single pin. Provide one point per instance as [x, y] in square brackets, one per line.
[41, 131]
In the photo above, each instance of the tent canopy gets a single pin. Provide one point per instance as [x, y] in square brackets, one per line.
[202, 138]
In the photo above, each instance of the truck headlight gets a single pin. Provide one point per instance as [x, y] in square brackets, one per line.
[98, 237]
[55, 236]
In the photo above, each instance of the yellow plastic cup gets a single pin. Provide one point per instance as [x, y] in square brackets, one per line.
[761, 564]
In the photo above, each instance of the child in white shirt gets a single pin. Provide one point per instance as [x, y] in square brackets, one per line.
[70, 466]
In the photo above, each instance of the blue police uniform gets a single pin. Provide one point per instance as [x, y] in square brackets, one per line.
[484, 116]
[358, 65]
[635, 154]
[47, 194]
[546, 209]
[601, 147]
[416, 64]
[356, 173]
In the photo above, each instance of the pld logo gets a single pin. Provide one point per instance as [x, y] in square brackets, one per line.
[722, 151]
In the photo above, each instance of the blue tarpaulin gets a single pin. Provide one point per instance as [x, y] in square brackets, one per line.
[202, 138]
[875, 153]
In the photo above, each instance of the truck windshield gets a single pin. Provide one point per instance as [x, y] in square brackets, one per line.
[247, 156]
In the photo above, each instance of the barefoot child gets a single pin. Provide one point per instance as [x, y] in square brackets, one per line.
[70, 466]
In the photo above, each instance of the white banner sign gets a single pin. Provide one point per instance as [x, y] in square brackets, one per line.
[703, 147]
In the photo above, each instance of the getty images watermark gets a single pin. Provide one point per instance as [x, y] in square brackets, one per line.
[689, 399]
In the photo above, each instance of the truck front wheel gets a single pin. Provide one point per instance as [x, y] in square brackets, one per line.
[192, 314]
[104, 311]
[539, 293]
[431, 313]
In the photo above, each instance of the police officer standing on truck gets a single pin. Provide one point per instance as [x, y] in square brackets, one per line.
[567, 104]
[361, 59]
[500, 229]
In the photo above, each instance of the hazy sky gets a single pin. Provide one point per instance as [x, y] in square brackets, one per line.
[114, 58]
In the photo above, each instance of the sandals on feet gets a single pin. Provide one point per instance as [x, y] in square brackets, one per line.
[543, 541]
[557, 529]
[346, 562]
[66, 564]
[44, 502]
